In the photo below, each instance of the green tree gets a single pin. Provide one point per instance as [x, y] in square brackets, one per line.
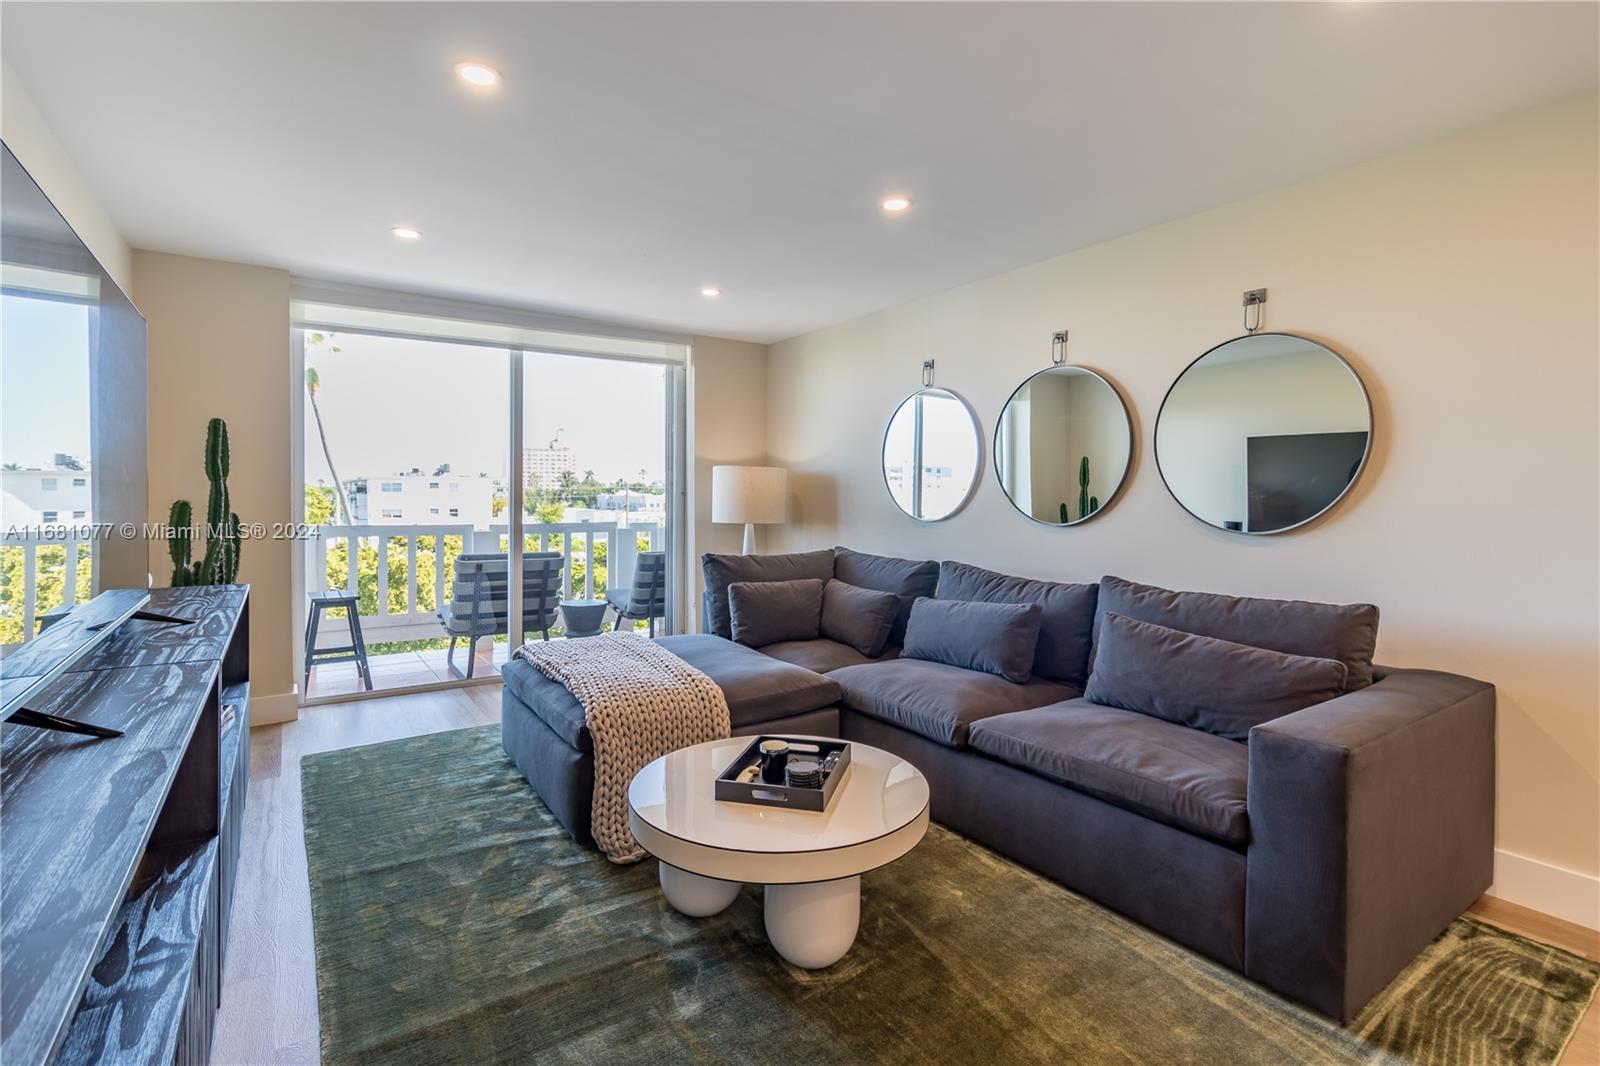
[319, 505]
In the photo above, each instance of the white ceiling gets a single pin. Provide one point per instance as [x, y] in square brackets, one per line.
[637, 152]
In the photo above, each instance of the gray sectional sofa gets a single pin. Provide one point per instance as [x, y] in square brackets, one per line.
[1316, 849]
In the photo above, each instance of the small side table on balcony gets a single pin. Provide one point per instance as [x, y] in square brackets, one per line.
[583, 618]
[354, 652]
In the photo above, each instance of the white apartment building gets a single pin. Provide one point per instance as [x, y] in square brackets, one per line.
[542, 467]
[418, 499]
[58, 494]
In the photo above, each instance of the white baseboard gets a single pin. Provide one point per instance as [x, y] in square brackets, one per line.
[273, 710]
[1541, 886]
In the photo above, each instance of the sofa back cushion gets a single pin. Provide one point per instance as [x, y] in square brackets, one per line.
[861, 618]
[723, 570]
[765, 612]
[906, 578]
[1204, 683]
[1066, 620]
[996, 638]
[1347, 632]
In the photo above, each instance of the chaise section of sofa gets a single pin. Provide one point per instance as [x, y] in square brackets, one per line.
[544, 731]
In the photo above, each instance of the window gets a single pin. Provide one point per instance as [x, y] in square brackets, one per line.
[47, 516]
[80, 514]
[79, 482]
[392, 512]
[376, 419]
[48, 484]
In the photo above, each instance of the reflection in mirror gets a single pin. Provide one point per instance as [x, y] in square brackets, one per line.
[1263, 433]
[1062, 446]
[930, 454]
[72, 416]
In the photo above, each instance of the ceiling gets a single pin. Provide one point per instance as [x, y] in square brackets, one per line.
[635, 153]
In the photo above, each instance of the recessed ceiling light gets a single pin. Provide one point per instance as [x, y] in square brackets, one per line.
[896, 203]
[480, 75]
[710, 290]
[406, 233]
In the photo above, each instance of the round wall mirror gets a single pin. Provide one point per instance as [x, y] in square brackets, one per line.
[1062, 446]
[1263, 433]
[931, 453]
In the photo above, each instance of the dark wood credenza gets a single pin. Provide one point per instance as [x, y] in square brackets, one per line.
[118, 856]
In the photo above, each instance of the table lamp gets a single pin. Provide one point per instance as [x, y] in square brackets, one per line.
[749, 494]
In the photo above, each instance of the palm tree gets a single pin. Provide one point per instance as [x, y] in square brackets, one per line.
[314, 382]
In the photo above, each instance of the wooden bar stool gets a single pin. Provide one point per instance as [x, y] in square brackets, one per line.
[354, 652]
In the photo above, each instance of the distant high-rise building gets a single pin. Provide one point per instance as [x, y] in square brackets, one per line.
[542, 467]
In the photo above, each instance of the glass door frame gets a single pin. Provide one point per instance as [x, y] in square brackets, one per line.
[675, 450]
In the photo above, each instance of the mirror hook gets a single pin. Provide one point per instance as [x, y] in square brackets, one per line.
[927, 373]
[1254, 298]
[1058, 347]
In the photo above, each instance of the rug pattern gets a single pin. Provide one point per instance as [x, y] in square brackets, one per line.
[455, 922]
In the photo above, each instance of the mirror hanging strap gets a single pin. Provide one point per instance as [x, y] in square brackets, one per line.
[1058, 347]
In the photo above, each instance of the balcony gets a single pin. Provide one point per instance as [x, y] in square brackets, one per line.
[399, 601]
[34, 569]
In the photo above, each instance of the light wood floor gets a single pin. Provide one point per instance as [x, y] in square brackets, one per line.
[269, 995]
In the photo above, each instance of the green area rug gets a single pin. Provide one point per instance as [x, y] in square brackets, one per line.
[457, 923]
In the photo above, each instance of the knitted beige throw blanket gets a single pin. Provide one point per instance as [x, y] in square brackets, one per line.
[641, 702]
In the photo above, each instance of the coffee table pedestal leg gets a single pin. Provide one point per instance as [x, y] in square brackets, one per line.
[814, 925]
[696, 896]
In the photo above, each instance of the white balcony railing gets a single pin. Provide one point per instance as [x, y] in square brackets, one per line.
[28, 597]
[410, 615]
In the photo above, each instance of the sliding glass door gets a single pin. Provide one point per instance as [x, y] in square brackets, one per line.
[415, 455]
[595, 462]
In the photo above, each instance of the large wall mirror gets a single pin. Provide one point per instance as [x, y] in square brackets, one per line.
[931, 454]
[1263, 433]
[1062, 446]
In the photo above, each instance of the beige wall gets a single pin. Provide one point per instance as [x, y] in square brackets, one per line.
[219, 347]
[36, 148]
[727, 424]
[1461, 281]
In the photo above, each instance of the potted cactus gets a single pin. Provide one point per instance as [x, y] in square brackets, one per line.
[220, 563]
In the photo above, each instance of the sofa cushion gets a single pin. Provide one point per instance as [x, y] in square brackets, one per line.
[1180, 776]
[758, 688]
[938, 701]
[765, 612]
[906, 578]
[550, 702]
[861, 618]
[824, 655]
[1346, 632]
[1066, 620]
[997, 638]
[723, 570]
[1202, 682]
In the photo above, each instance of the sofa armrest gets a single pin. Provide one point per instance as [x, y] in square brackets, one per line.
[1371, 829]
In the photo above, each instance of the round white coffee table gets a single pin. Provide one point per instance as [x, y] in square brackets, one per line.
[810, 862]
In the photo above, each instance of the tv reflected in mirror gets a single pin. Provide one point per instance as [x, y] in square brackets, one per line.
[1264, 433]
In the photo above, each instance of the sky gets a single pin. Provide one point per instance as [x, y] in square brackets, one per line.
[44, 380]
[389, 405]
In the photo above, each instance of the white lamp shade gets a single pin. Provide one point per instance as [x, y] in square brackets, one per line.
[755, 494]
